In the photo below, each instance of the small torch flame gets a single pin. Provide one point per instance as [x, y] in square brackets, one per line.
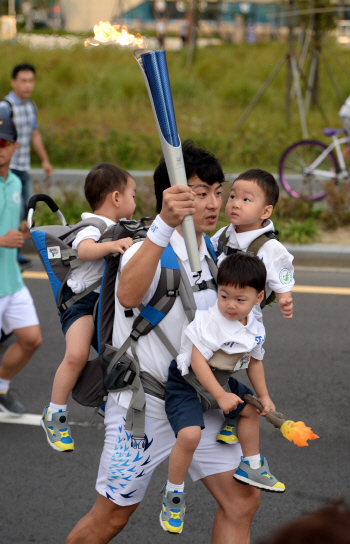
[105, 32]
[297, 433]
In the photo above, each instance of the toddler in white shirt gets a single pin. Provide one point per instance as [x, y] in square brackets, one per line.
[110, 192]
[220, 341]
[252, 199]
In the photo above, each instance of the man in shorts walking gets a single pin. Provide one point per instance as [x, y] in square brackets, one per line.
[17, 311]
[119, 493]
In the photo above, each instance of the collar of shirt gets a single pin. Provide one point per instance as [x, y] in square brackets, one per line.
[232, 327]
[87, 215]
[244, 239]
[15, 98]
[178, 243]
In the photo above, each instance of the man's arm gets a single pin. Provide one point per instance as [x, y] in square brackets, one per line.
[39, 148]
[138, 273]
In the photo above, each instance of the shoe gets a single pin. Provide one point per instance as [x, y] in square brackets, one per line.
[258, 477]
[57, 431]
[228, 431]
[173, 511]
[10, 405]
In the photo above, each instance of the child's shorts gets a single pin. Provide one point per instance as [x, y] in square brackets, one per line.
[182, 405]
[84, 306]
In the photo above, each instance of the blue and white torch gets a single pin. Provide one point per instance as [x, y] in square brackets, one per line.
[155, 72]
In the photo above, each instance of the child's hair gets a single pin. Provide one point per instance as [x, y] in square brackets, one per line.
[242, 270]
[102, 180]
[266, 181]
[197, 161]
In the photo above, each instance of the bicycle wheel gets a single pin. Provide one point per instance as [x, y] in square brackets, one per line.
[294, 161]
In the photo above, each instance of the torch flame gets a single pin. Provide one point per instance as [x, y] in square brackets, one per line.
[297, 432]
[105, 32]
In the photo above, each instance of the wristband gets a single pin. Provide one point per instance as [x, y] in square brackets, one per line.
[159, 232]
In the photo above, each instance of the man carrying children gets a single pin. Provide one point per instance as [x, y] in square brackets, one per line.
[213, 462]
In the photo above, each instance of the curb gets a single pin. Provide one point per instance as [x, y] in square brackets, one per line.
[320, 255]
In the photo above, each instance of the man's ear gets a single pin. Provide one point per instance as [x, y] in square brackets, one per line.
[15, 146]
[260, 297]
[267, 212]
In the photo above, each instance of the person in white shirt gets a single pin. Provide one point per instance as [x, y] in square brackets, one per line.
[110, 191]
[124, 474]
[252, 199]
[227, 328]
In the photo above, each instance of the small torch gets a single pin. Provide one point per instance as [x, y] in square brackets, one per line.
[155, 72]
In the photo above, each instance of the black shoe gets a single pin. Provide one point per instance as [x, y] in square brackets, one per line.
[22, 261]
[10, 405]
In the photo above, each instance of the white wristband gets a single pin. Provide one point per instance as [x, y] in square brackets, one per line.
[159, 232]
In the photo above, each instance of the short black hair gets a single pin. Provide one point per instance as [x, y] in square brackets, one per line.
[266, 181]
[22, 68]
[102, 180]
[198, 161]
[242, 270]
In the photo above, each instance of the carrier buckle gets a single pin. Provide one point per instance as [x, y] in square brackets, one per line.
[172, 292]
[202, 286]
[135, 441]
[62, 308]
[135, 334]
[230, 250]
[129, 312]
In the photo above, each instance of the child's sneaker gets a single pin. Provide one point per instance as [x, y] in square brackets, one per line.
[57, 431]
[258, 477]
[173, 511]
[228, 431]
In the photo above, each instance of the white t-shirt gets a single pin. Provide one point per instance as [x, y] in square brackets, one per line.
[278, 261]
[211, 331]
[152, 354]
[87, 273]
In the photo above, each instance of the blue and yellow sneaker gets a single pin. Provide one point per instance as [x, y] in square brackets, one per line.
[228, 431]
[258, 477]
[172, 514]
[57, 431]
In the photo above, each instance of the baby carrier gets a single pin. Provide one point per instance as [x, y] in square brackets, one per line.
[113, 369]
[252, 250]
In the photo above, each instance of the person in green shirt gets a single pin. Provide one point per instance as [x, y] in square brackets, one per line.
[17, 310]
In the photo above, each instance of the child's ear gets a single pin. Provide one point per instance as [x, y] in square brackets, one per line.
[260, 297]
[267, 212]
[115, 198]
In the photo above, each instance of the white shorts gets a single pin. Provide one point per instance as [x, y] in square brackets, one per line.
[125, 472]
[17, 311]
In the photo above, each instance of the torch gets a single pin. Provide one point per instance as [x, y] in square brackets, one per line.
[294, 432]
[155, 72]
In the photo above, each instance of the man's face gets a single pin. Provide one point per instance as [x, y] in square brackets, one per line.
[208, 203]
[23, 84]
[6, 153]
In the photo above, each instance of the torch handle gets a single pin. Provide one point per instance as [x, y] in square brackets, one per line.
[273, 417]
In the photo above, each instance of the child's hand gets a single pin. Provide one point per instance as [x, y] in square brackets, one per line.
[120, 246]
[228, 402]
[267, 405]
[286, 307]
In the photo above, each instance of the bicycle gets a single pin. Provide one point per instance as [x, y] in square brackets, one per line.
[306, 165]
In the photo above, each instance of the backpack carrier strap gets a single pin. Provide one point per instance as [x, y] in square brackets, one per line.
[173, 282]
[10, 106]
[254, 248]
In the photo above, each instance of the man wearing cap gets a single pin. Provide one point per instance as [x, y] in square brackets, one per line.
[17, 310]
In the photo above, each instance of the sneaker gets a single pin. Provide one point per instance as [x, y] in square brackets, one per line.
[57, 431]
[173, 511]
[228, 431]
[10, 405]
[258, 477]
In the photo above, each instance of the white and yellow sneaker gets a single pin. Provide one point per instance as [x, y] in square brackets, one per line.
[57, 431]
[172, 514]
[258, 477]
